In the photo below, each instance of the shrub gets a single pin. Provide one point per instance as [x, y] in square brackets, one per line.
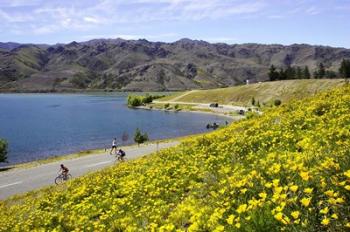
[139, 137]
[3, 150]
[166, 106]
[134, 101]
[277, 102]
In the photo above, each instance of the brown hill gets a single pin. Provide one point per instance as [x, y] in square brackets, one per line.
[141, 65]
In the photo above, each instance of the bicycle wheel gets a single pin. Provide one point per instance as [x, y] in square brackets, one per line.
[59, 179]
[69, 176]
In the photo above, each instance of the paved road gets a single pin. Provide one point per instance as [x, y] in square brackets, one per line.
[22, 180]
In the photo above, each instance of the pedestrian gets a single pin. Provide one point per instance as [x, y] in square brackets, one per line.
[114, 146]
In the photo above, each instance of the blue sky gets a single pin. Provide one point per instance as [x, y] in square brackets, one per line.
[322, 22]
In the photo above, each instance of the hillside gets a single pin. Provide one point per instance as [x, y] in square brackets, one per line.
[264, 92]
[286, 170]
[140, 65]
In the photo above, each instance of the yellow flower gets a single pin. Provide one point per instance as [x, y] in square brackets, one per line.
[347, 225]
[329, 193]
[238, 225]
[347, 187]
[294, 188]
[334, 216]
[324, 211]
[295, 214]
[305, 201]
[268, 185]
[275, 182]
[242, 208]
[347, 173]
[263, 195]
[304, 175]
[325, 221]
[308, 190]
[230, 219]
[279, 216]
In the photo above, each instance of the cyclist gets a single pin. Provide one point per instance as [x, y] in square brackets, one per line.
[121, 155]
[114, 146]
[64, 170]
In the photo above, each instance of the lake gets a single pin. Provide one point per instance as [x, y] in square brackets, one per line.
[38, 126]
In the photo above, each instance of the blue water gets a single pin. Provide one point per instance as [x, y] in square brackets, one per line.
[37, 126]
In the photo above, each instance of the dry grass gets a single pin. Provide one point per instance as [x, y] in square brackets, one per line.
[265, 92]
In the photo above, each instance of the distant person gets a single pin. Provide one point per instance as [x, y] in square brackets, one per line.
[64, 171]
[114, 146]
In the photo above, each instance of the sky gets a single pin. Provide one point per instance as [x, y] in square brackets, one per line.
[317, 22]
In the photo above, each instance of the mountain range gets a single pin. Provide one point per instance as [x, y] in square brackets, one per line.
[141, 65]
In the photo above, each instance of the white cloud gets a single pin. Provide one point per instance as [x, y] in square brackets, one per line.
[91, 19]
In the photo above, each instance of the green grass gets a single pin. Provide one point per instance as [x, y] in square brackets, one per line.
[265, 92]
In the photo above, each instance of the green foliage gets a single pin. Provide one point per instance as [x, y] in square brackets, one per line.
[344, 70]
[277, 102]
[273, 74]
[3, 150]
[139, 137]
[253, 101]
[306, 73]
[320, 72]
[166, 106]
[136, 100]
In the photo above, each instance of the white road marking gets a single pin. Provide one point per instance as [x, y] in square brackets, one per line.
[7, 185]
[97, 164]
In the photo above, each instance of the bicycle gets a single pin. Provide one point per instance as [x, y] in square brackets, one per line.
[62, 178]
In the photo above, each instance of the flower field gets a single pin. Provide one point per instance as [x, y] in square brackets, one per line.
[288, 169]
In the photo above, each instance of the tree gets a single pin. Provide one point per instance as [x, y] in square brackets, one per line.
[330, 74]
[344, 70]
[139, 137]
[290, 73]
[273, 74]
[299, 73]
[3, 150]
[321, 72]
[282, 74]
[306, 73]
[253, 101]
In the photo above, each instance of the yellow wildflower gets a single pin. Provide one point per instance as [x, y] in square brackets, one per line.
[324, 211]
[325, 221]
[308, 190]
[294, 188]
[305, 201]
[295, 214]
[230, 219]
[304, 175]
[347, 173]
[242, 208]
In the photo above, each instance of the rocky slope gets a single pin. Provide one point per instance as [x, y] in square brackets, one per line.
[140, 65]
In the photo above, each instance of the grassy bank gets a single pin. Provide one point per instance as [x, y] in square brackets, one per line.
[288, 169]
[265, 92]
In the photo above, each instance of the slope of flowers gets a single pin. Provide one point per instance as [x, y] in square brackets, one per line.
[288, 169]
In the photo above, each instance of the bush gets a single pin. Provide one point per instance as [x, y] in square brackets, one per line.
[134, 101]
[139, 137]
[3, 150]
[166, 106]
[277, 102]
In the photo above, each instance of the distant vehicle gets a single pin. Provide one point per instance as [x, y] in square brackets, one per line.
[214, 105]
